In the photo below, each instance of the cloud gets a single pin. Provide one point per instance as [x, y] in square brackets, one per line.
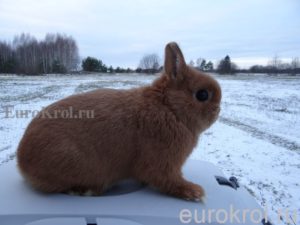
[121, 32]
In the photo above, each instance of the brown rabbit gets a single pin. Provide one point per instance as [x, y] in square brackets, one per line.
[145, 133]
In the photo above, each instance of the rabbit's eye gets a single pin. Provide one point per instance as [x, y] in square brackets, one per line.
[202, 95]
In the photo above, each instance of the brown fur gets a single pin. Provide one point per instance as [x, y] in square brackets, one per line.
[144, 133]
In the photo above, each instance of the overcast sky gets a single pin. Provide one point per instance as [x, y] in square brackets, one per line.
[121, 32]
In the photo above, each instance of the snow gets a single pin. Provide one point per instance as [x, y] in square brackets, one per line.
[256, 139]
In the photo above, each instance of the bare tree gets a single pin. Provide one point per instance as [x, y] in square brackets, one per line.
[199, 62]
[5, 51]
[275, 64]
[55, 54]
[192, 64]
[7, 63]
[150, 63]
[295, 63]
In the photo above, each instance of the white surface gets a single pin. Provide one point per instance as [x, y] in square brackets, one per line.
[257, 137]
[21, 205]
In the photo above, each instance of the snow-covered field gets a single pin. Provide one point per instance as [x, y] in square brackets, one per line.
[257, 137]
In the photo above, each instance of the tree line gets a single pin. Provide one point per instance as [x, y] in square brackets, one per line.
[276, 66]
[56, 53]
[151, 64]
[227, 66]
[91, 64]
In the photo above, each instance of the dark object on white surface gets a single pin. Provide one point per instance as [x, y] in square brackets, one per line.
[231, 182]
[128, 203]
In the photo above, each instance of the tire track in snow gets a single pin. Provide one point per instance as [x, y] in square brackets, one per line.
[32, 95]
[274, 139]
[5, 148]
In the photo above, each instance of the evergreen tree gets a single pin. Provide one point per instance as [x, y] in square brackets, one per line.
[203, 64]
[209, 66]
[226, 66]
[92, 64]
[110, 69]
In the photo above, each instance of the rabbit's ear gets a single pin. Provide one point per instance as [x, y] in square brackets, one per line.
[174, 61]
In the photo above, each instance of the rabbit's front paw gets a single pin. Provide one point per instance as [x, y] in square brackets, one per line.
[190, 191]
